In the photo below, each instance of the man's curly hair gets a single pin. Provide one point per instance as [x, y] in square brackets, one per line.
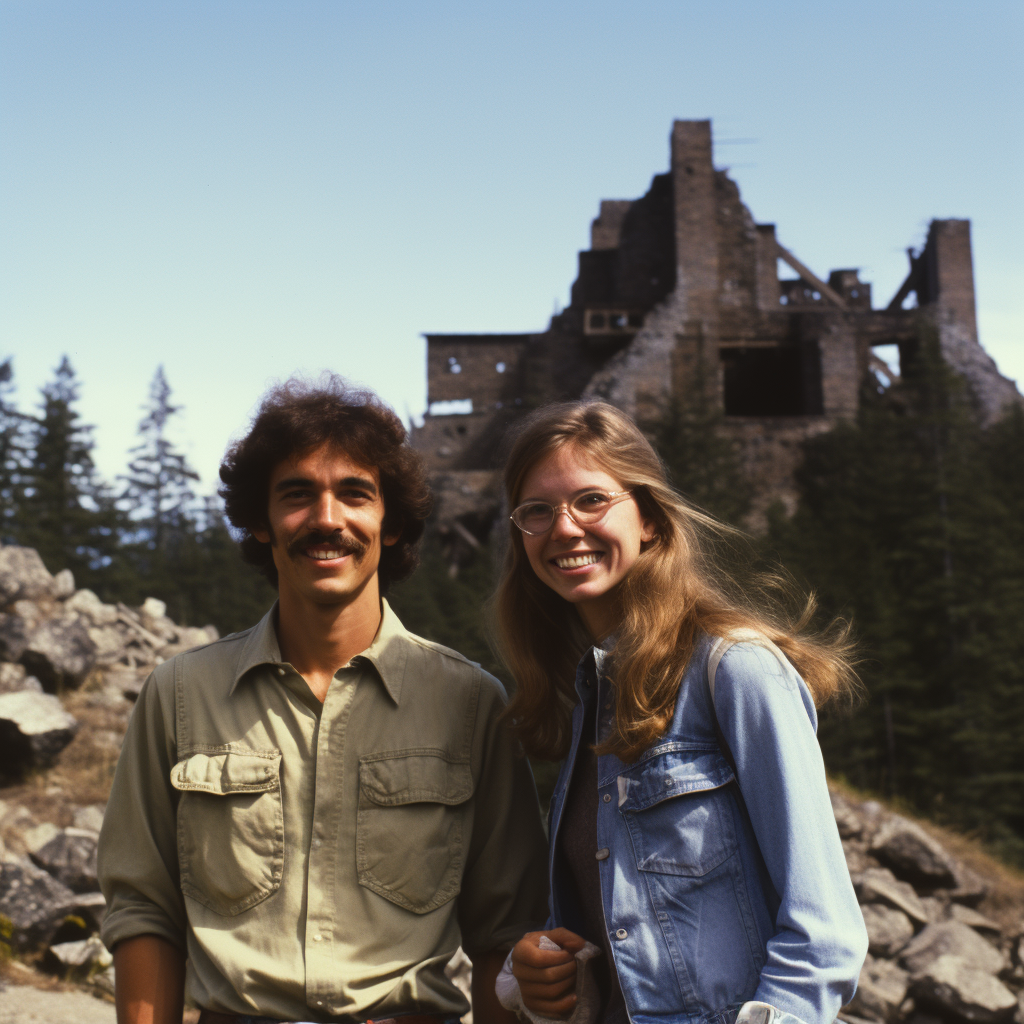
[299, 417]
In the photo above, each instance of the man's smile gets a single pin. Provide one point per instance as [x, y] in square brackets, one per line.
[325, 548]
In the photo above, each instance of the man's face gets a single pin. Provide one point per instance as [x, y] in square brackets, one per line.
[325, 516]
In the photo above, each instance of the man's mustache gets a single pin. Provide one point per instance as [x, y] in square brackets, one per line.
[337, 540]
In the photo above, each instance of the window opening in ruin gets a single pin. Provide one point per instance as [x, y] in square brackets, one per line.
[782, 380]
[451, 407]
[885, 365]
[597, 321]
[500, 367]
[453, 365]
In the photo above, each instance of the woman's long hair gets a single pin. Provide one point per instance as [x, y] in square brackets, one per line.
[677, 591]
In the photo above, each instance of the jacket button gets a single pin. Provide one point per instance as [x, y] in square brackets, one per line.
[602, 854]
[607, 798]
[621, 933]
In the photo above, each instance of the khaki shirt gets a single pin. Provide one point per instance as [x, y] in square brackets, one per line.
[319, 862]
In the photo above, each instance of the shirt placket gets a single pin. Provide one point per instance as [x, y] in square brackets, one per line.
[322, 981]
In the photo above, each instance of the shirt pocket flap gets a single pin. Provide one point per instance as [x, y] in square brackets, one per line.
[414, 776]
[670, 774]
[228, 772]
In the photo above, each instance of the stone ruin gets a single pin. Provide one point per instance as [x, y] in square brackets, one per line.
[680, 294]
[946, 942]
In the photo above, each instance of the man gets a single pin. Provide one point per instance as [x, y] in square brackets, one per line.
[309, 817]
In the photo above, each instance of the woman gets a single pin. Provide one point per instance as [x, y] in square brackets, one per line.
[692, 837]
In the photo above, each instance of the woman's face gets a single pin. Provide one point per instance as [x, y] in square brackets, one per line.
[583, 564]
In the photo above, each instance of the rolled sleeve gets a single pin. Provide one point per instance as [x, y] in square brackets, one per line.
[504, 887]
[138, 859]
[768, 719]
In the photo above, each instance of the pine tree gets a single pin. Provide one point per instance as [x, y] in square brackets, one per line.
[158, 484]
[63, 510]
[12, 454]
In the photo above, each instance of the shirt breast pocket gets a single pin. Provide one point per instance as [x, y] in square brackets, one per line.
[674, 806]
[230, 827]
[409, 841]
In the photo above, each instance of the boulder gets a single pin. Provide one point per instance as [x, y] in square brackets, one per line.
[950, 938]
[89, 606]
[14, 634]
[956, 987]
[110, 642]
[60, 653]
[34, 729]
[971, 918]
[889, 930]
[880, 991]
[22, 574]
[970, 889]
[63, 584]
[12, 677]
[906, 848]
[38, 836]
[81, 957]
[91, 908]
[34, 902]
[70, 856]
[880, 885]
[89, 817]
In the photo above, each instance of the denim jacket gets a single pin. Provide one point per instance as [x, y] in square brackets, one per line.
[711, 898]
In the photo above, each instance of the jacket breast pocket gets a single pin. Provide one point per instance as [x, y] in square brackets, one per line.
[230, 827]
[409, 841]
[676, 810]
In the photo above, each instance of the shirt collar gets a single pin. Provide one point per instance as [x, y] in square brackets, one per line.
[388, 653]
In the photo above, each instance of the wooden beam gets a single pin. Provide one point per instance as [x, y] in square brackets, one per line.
[909, 285]
[833, 296]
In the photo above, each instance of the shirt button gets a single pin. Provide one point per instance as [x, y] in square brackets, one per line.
[602, 854]
[668, 783]
[280, 671]
[317, 938]
[621, 933]
[607, 798]
[319, 1002]
[316, 843]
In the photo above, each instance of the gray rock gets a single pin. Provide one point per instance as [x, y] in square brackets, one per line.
[71, 858]
[848, 821]
[14, 634]
[34, 902]
[89, 817]
[91, 907]
[971, 918]
[34, 729]
[906, 848]
[63, 584]
[970, 889]
[954, 986]
[889, 930]
[22, 574]
[60, 653]
[153, 608]
[82, 956]
[880, 991]
[11, 677]
[39, 835]
[880, 885]
[110, 642]
[953, 938]
[89, 606]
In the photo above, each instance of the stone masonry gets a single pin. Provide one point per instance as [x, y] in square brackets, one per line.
[680, 291]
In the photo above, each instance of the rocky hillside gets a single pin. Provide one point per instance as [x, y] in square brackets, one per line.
[946, 924]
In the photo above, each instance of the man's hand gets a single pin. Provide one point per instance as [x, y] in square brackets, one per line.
[547, 977]
[149, 981]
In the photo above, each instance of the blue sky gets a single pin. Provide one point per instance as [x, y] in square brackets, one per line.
[240, 191]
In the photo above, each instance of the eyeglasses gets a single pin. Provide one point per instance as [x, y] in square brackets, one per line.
[537, 517]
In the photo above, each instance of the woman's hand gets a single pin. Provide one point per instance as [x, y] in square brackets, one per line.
[547, 977]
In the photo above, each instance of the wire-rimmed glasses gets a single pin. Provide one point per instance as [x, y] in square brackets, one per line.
[537, 517]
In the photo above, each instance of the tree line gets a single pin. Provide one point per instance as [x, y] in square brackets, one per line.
[146, 534]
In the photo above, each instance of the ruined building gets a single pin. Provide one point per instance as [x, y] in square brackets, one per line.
[680, 290]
